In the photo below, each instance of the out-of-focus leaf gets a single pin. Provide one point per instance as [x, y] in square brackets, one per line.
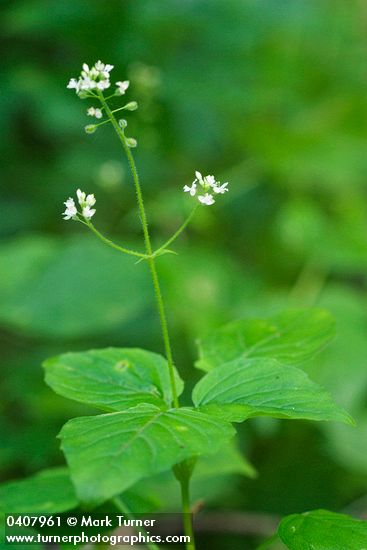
[47, 492]
[214, 476]
[112, 379]
[68, 288]
[228, 460]
[291, 337]
[206, 281]
[334, 243]
[342, 368]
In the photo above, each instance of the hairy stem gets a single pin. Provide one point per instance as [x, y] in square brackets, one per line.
[112, 244]
[148, 248]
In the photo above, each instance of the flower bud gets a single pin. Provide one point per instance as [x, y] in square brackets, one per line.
[122, 123]
[131, 142]
[90, 129]
[132, 106]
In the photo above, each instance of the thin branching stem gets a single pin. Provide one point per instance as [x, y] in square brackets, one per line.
[178, 232]
[148, 248]
[114, 245]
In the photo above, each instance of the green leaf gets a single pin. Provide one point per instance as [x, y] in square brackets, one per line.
[323, 530]
[49, 491]
[112, 379]
[214, 476]
[262, 387]
[291, 337]
[109, 453]
[227, 461]
[88, 277]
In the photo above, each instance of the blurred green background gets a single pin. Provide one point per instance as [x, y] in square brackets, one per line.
[268, 94]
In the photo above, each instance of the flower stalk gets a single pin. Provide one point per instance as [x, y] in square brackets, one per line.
[92, 83]
[148, 248]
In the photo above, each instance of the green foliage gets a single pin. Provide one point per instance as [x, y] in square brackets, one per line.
[228, 460]
[112, 379]
[291, 337]
[244, 388]
[215, 475]
[323, 530]
[48, 492]
[40, 289]
[109, 453]
[287, 130]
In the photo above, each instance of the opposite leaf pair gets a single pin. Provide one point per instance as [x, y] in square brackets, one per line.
[109, 453]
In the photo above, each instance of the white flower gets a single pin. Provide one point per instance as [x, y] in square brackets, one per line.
[191, 190]
[73, 84]
[208, 185]
[122, 87]
[206, 182]
[220, 189]
[97, 76]
[90, 200]
[70, 211]
[88, 212]
[81, 197]
[199, 178]
[94, 112]
[103, 84]
[206, 199]
[210, 180]
[103, 69]
[86, 202]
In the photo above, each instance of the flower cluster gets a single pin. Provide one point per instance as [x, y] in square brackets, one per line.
[95, 78]
[85, 201]
[206, 185]
[98, 77]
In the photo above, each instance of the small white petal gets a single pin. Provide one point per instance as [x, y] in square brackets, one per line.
[210, 180]
[220, 189]
[70, 210]
[73, 83]
[69, 203]
[99, 66]
[88, 212]
[122, 86]
[103, 84]
[191, 190]
[81, 196]
[206, 199]
[94, 112]
[90, 200]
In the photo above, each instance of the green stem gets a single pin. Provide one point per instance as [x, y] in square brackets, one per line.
[148, 248]
[178, 232]
[121, 506]
[186, 511]
[112, 244]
